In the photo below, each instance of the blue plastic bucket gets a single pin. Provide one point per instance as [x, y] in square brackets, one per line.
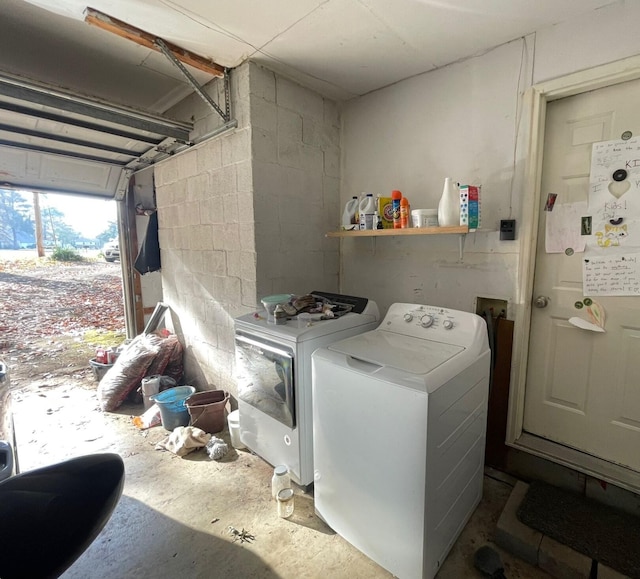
[172, 404]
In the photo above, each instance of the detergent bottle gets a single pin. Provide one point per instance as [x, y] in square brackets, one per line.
[349, 220]
[367, 209]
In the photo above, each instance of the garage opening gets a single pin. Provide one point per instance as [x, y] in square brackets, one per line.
[63, 304]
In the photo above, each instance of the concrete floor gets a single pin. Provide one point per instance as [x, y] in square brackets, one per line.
[174, 516]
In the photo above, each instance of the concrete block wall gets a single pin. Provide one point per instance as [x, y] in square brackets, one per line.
[205, 212]
[296, 180]
[244, 214]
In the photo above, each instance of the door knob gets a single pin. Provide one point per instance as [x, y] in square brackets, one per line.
[541, 302]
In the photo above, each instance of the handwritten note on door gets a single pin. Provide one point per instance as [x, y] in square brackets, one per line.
[617, 275]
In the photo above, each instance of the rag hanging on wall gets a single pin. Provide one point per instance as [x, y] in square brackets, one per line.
[148, 259]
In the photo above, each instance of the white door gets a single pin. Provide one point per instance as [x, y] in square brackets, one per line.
[583, 388]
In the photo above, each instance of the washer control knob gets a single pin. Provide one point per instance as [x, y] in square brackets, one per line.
[408, 317]
[448, 324]
[426, 320]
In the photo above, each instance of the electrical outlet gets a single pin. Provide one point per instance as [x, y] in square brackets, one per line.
[507, 229]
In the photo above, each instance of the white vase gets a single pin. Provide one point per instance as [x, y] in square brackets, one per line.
[449, 205]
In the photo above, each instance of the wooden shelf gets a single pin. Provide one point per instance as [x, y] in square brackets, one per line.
[461, 229]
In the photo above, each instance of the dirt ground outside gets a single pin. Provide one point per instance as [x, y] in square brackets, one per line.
[53, 316]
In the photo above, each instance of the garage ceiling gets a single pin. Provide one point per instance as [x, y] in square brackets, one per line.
[78, 104]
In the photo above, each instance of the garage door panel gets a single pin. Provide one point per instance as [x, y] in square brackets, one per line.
[68, 172]
[38, 171]
[13, 164]
[54, 140]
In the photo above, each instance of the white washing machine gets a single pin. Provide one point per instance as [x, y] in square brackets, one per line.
[399, 428]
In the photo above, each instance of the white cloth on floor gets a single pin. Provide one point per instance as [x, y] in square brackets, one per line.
[183, 440]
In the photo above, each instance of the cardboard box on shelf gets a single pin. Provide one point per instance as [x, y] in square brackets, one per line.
[470, 206]
[385, 210]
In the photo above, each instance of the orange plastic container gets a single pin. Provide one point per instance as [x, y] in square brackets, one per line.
[404, 213]
[396, 197]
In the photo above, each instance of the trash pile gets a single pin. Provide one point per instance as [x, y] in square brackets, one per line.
[185, 439]
[150, 367]
[156, 353]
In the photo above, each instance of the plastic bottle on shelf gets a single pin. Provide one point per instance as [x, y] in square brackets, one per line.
[357, 216]
[404, 213]
[378, 220]
[367, 208]
[349, 214]
[449, 205]
[396, 197]
[280, 480]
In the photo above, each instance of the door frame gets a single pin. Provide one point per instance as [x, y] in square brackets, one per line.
[535, 102]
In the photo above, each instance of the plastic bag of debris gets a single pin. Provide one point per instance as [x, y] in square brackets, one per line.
[127, 372]
[168, 362]
[147, 355]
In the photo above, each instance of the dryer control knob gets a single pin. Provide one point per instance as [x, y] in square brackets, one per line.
[408, 317]
[426, 320]
[448, 324]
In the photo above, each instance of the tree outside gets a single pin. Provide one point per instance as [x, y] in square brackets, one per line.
[16, 221]
[108, 234]
[17, 225]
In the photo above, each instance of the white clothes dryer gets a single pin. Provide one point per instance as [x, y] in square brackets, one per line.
[273, 373]
[399, 428]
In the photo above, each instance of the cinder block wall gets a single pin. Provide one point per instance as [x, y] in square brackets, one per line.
[205, 214]
[244, 214]
[296, 185]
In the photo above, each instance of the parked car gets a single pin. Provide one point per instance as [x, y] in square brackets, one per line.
[111, 250]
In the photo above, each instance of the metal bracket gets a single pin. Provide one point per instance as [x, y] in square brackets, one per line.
[123, 183]
[226, 114]
[461, 240]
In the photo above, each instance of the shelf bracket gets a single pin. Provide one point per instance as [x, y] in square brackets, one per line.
[461, 240]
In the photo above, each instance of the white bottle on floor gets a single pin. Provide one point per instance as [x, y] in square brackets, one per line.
[280, 480]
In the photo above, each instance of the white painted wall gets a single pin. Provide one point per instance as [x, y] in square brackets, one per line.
[463, 121]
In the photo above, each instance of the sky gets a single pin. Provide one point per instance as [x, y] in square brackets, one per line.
[90, 217]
